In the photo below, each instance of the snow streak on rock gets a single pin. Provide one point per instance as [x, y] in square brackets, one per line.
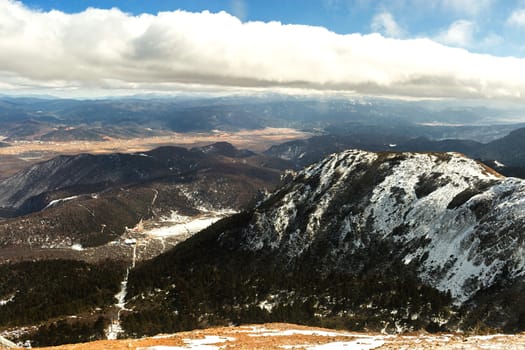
[115, 328]
[456, 220]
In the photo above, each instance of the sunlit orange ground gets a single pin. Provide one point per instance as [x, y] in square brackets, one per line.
[270, 336]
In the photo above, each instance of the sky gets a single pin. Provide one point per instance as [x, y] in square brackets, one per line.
[460, 49]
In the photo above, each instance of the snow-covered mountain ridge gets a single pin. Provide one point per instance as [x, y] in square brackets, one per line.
[389, 242]
[455, 221]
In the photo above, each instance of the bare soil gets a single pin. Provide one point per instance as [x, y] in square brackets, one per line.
[282, 336]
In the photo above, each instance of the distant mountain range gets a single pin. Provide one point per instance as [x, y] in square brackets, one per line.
[506, 154]
[28, 118]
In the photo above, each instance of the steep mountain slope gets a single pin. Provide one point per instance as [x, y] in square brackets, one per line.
[508, 150]
[31, 189]
[91, 200]
[440, 208]
[386, 241]
[90, 218]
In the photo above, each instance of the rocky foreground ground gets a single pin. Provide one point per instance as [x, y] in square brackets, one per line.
[289, 336]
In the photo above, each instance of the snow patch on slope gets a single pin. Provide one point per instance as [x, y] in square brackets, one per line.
[456, 220]
[58, 201]
[5, 301]
[177, 225]
[273, 227]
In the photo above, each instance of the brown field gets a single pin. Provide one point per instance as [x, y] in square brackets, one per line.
[256, 140]
[288, 336]
[24, 153]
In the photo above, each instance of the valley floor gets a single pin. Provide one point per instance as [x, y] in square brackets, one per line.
[22, 153]
[289, 336]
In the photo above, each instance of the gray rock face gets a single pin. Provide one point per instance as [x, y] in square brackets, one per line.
[456, 222]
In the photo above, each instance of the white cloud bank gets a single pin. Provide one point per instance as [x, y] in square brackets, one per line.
[108, 49]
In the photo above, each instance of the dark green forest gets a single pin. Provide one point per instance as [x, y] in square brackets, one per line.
[205, 283]
[43, 291]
